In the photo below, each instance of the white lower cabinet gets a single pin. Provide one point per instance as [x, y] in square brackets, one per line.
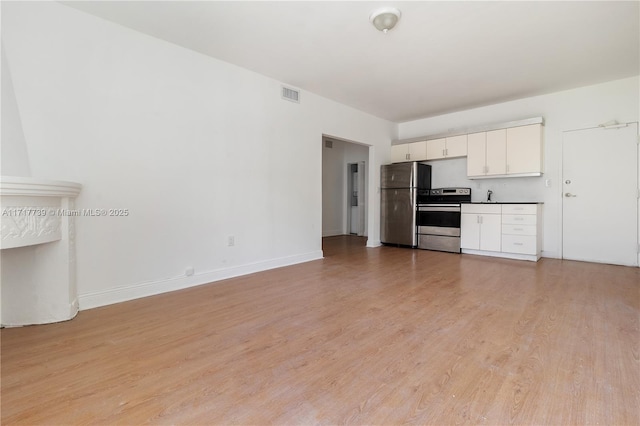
[516, 227]
[482, 227]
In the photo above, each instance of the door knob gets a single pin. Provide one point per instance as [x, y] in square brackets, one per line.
[568, 194]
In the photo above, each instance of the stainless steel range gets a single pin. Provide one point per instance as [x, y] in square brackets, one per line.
[438, 218]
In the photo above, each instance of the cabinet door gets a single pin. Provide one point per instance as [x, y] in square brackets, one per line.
[497, 152]
[469, 231]
[456, 146]
[490, 232]
[399, 153]
[476, 154]
[435, 148]
[524, 149]
[418, 151]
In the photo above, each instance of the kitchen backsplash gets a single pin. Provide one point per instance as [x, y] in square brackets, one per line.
[453, 173]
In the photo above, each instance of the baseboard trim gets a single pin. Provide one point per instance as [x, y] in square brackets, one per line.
[144, 289]
[373, 243]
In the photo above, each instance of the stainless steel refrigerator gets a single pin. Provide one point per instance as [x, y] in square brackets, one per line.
[399, 186]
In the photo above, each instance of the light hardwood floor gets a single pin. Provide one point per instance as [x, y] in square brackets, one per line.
[364, 336]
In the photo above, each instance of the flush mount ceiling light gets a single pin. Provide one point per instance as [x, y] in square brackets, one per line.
[385, 18]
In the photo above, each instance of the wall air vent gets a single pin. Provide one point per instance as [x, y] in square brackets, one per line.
[328, 143]
[290, 94]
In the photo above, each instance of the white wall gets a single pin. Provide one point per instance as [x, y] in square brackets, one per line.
[580, 108]
[334, 184]
[13, 150]
[195, 148]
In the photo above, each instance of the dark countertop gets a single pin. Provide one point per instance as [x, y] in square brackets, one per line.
[504, 202]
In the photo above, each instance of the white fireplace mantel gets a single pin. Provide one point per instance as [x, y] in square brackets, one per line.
[37, 242]
[32, 210]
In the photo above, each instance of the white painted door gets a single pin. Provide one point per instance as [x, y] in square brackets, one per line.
[600, 195]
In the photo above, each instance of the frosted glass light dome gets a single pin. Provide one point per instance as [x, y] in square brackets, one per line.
[385, 18]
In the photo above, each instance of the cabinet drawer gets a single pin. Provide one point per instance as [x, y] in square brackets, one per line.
[519, 219]
[522, 244]
[481, 208]
[519, 208]
[518, 229]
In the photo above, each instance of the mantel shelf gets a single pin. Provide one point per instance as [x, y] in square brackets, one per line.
[37, 187]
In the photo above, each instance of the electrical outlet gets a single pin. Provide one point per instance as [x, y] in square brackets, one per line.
[231, 241]
[189, 271]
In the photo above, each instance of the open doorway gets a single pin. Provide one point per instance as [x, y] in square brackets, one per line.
[344, 187]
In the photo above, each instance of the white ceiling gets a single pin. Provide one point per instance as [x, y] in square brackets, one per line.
[441, 57]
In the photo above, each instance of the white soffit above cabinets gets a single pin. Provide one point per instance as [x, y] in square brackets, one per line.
[441, 57]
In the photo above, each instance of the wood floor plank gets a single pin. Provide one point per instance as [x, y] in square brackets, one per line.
[365, 336]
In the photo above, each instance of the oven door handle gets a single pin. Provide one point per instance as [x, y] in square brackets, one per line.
[439, 208]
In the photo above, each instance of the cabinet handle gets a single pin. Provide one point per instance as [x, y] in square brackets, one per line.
[407, 156]
[517, 244]
[446, 151]
[518, 229]
[507, 168]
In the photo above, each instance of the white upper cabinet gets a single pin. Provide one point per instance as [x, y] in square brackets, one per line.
[456, 146]
[509, 149]
[414, 151]
[399, 153]
[418, 151]
[450, 147]
[496, 157]
[435, 148]
[505, 152]
[524, 149]
[487, 153]
[476, 154]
